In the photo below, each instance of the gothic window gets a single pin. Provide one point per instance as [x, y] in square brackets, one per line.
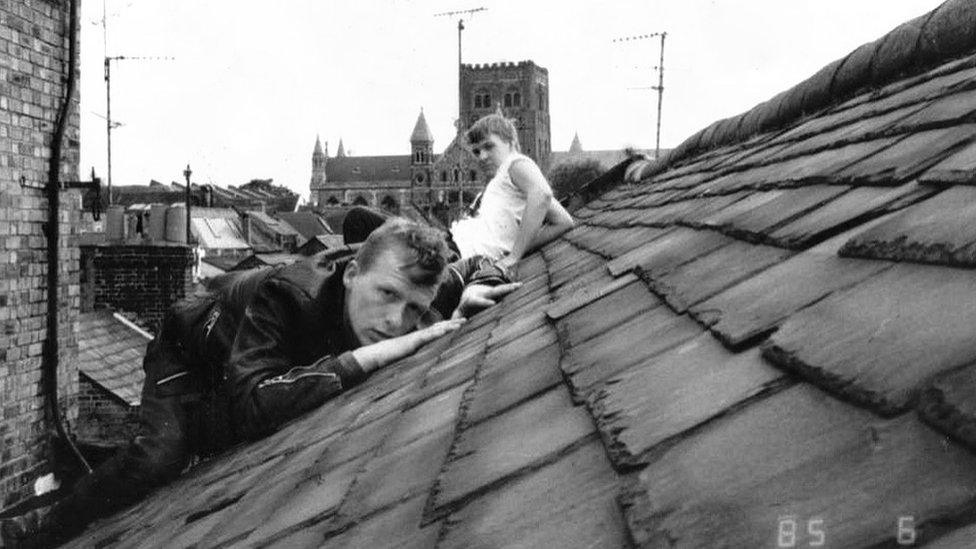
[444, 176]
[541, 98]
[472, 175]
[482, 99]
[360, 201]
[513, 98]
[332, 201]
[457, 175]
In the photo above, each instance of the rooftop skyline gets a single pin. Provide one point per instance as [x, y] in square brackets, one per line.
[248, 89]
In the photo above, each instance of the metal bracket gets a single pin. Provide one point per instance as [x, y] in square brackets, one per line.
[94, 185]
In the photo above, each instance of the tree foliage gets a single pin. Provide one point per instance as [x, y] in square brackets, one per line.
[568, 177]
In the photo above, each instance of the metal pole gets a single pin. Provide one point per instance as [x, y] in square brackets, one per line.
[460, 68]
[186, 174]
[108, 125]
[660, 97]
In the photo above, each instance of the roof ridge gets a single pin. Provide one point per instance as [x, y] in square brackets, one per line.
[913, 47]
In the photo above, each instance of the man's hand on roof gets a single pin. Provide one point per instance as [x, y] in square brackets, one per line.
[478, 297]
[381, 353]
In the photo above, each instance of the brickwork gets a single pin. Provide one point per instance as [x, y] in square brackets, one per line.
[103, 418]
[33, 67]
[140, 279]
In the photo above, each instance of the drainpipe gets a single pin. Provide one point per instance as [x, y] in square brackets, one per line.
[52, 227]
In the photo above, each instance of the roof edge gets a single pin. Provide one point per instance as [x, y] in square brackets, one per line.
[923, 43]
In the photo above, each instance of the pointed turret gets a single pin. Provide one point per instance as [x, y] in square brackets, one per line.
[320, 156]
[341, 152]
[421, 132]
[576, 146]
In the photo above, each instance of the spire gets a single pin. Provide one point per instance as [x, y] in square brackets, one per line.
[342, 150]
[318, 145]
[421, 132]
[576, 147]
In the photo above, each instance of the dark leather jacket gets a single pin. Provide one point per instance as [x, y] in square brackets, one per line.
[279, 339]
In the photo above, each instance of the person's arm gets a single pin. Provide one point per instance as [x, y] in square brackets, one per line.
[557, 222]
[268, 389]
[470, 285]
[544, 218]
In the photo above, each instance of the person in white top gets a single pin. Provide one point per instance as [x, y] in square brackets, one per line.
[518, 213]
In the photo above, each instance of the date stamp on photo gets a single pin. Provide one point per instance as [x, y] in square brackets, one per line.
[794, 531]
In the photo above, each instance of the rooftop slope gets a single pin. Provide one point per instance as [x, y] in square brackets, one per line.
[767, 336]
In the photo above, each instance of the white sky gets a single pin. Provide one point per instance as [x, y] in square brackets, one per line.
[252, 83]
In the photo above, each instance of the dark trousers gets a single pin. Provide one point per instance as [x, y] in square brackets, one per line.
[181, 415]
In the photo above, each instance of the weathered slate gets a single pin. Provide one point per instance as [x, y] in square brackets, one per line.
[940, 230]
[756, 222]
[501, 386]
[437, 412]
[960, 167]
[568, 504]
[949, 405]
[666, 253]
[524, 437]
[607, 312]
[614, 242]
[398, 475]
[759, 303]
[876, 342]
[950, 108]
[587, 295]
[908, 157]
[633, 342]
[397, 528]
[752, 200]
[672, 392]
[801, 456]
[706, 276]
[845, 211]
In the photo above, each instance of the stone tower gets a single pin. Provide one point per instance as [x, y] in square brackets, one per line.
[421, 154]
[521, 90]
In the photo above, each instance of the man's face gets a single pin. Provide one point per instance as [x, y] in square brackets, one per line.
[492, 152]
[382, 302]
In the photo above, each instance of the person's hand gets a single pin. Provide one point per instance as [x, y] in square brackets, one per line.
[379, 354]
[478, 297]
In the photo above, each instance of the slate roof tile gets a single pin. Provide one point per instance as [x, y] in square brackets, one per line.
[938, 230]
[526, 436]
[668, 252]
[947, 404]
[711, 273]
[505, 384]
[856, 206]
[605, 313]
[941, 111]
[402, 473]
[620, 347]
[800, 454]
[569, 504]
[396, 528]
[784, 206]
[111, 354]
[668, 394]
[758, 304]
[908, 157]
[877, 341]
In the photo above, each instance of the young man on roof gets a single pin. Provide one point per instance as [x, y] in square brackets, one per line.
[266, 346]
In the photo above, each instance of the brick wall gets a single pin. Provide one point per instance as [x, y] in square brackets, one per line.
[103, 418]
[140, 279]
[33, 66]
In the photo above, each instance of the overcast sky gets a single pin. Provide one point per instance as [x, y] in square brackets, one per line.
[252, 83]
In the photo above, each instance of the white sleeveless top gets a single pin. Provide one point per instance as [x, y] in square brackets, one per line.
[493, 230]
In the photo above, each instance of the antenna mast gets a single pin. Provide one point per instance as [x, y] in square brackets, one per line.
[660, 81]
[460, 28]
